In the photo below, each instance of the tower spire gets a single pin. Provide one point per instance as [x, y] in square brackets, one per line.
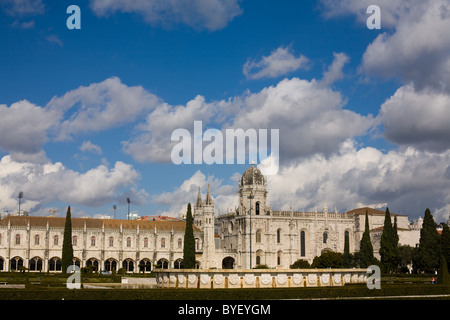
[209, 199]
[198, 203]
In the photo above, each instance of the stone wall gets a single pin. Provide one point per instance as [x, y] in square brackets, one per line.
[257, 278]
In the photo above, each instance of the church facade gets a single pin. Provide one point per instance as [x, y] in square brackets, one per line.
[252, 234]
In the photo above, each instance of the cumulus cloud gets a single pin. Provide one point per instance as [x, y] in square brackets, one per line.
[24, 127]
[101, 106]
[89, 146]
[43, 183]
[420, 119]
[280, 62]
[334, 71]
[199, 14]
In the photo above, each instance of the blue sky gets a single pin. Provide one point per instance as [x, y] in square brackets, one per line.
[86, 115]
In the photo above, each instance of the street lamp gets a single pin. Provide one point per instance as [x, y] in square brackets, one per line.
[251, 197]
[20, 196]
[128, 200]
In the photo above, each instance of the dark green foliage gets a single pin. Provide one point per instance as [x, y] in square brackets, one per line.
[429, 252]
[445, 242]
[67, 249]
[189, 242]
[300, 264]
[443, 276]
[365, 256]
[329, 260]
[390, 256]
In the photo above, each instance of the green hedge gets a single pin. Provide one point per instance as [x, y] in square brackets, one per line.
[221, 294]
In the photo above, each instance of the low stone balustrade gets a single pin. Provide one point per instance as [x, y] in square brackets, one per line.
[257, 278]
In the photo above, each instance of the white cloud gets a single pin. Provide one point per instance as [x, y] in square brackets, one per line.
[101, 106]
[23, 129]
[89, 146]
[43, 183]
[420, 119]
[280, 62]
[199, 14]
[334, 71]
[407, 181]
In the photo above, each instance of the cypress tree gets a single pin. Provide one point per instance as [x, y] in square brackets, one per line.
[365, 246]
[429, 251]
[445, 242]
[443, 275]
[347, 256]
[67, 249]
[389, 245]
[189, 242]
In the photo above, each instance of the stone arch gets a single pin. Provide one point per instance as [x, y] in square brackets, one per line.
[178, 264]
[145, 265]
[93, 263]
[15, 263]
[259, 257]
[2, 264]
[228, 263]
[128, 265]
[110, 265]
[54, 264]
[162, 264]
[35, 264]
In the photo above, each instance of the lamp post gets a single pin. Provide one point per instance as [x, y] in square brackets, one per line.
[128, 200]
[251, 197]
[20, 196]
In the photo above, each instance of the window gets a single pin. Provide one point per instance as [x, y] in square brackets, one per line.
[325, 237]
[92, 241]
[302, 244]
[180, 242]
[129, 242]
[74, 240]
[257, 208]
[145, 242]
[17, 238]
[55, 240]
[111, 241]
[258, 236]
[279, 236]
[36, 240]
[163, 242]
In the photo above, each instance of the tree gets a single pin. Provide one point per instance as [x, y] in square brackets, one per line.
[67, 249]
[443, 276]
[390, 256]
[429, 251]
[329, 259]
[300, 264]
[189, 242]
[365, 247]
[347, 255]
[445, 242]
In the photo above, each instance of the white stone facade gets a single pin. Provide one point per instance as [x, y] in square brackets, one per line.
[276, 238]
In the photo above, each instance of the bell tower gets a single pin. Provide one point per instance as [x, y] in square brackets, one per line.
[253, 192]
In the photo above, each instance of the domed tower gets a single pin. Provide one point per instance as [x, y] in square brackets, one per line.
[253, 192]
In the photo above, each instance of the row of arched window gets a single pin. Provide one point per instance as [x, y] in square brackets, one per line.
[54, 264]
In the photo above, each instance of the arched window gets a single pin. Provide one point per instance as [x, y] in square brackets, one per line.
[16, 263]
[92, 262]
[145, 265]
[258, 236]
[92, 241]
[36, 264]
[257, 208]
[128, 265]
[145, 242]
[129, 242]
[17, 239]
[178, 264]
[302, 244]
[325, 237]
[54, 264]
[74, 240]
[163, 242]
[111, 265]
[111, 242]
[279, 256]
[36, 240]
[55, 240]
[279, 236]
[180, 243]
